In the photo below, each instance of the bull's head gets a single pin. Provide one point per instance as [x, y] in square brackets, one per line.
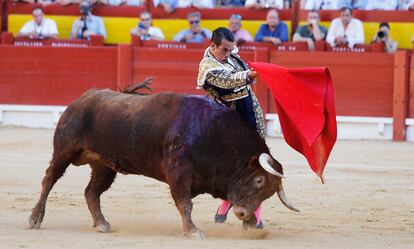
[263, 179]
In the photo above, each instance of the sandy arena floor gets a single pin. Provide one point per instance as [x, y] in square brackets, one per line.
[367, 202]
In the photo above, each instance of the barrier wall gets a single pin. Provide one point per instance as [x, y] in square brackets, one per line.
[366, 84]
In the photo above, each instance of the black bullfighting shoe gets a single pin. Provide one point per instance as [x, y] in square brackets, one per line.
[260, 225]
[221, 218]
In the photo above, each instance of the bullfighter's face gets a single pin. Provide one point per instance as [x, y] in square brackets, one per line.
[254, 187]
[222, 52]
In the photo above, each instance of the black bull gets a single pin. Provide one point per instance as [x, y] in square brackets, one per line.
[192, 143]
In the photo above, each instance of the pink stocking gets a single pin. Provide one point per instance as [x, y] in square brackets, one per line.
[224, 207]
[258, 214]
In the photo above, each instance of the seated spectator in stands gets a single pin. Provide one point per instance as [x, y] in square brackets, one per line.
[126, 2]
[406, 5]
[87, 24]
[322, 5]
[168, 5]
[145, 30]
[230, 3]
[353, 4]
[345, 30]
[200, 4]
[273, 31]
[312, 31]
[383, 35]
[195, 34]
[45, 2]
[240, 35]
[262, 4]
[39, 27]
[382, 5]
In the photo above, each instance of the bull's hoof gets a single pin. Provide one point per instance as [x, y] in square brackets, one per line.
[103, 227]
[252, 224]
[195, 233]
[35, 220]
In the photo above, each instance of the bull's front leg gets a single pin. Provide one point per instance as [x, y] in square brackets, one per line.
[182, 197]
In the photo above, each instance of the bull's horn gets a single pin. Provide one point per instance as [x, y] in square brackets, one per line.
[264, 162]
[284, 199]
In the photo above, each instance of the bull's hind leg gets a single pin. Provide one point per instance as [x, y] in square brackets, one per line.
[55, 170]
[101, 179]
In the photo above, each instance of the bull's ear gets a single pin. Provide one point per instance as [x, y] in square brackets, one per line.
[253, 162]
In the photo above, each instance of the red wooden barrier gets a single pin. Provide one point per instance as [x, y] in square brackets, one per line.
[54, 76]
[400, 103]
[363, 82]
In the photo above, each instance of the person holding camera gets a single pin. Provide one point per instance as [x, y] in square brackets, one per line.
[145, 30]
[195, 34]
[383, 35]
[39, 27]
[311, 32]
[87, 24]
[345, 30]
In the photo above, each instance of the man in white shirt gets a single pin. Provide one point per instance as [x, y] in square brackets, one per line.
[381, 5]
[39, 27]
[264, 4]
[145, 30]
[345, 30]
[200, 4]
[322, 5]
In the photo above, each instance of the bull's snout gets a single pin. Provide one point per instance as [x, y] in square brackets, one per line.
[242, 213]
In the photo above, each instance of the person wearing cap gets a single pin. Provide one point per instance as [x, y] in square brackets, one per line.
[228, 79]
[240, 35]
[195, 34]
[87, 24]
[39, 27]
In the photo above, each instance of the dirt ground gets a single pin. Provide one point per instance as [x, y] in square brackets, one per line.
[366, 202]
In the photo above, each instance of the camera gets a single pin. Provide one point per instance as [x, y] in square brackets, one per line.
[381, 34]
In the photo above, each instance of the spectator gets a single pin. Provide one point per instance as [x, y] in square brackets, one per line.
[24, 1]
[345, 30]
[195, 34]
[273, 31]
[231, 3]
[45, 2]
[240, 36]
[312, 31]
[87, 24]
[382, 5]
[200, 4]
[383, 35]
[39, 27]
[406, 5]
[145, 30]
[261, 4]
[353, 4]
[168, 5]
[126, 2]
[322, 5]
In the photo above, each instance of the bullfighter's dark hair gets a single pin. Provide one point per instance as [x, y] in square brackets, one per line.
[134, 88]
[222, 33]
[345, 8]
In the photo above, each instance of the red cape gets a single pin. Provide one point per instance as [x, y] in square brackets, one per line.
[306, 108]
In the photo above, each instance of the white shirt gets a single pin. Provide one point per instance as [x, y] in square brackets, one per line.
[278, 4]
[381, 5]
[354, 32]
[152, 31]
[47, 27]
[196, 3]
[403, 5]
[322, 5]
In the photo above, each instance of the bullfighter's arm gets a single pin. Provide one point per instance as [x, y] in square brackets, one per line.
[226, 79]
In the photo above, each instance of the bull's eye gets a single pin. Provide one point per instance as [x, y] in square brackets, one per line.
[259, 181]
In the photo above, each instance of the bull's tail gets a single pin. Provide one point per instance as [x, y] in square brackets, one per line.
[134, 88]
